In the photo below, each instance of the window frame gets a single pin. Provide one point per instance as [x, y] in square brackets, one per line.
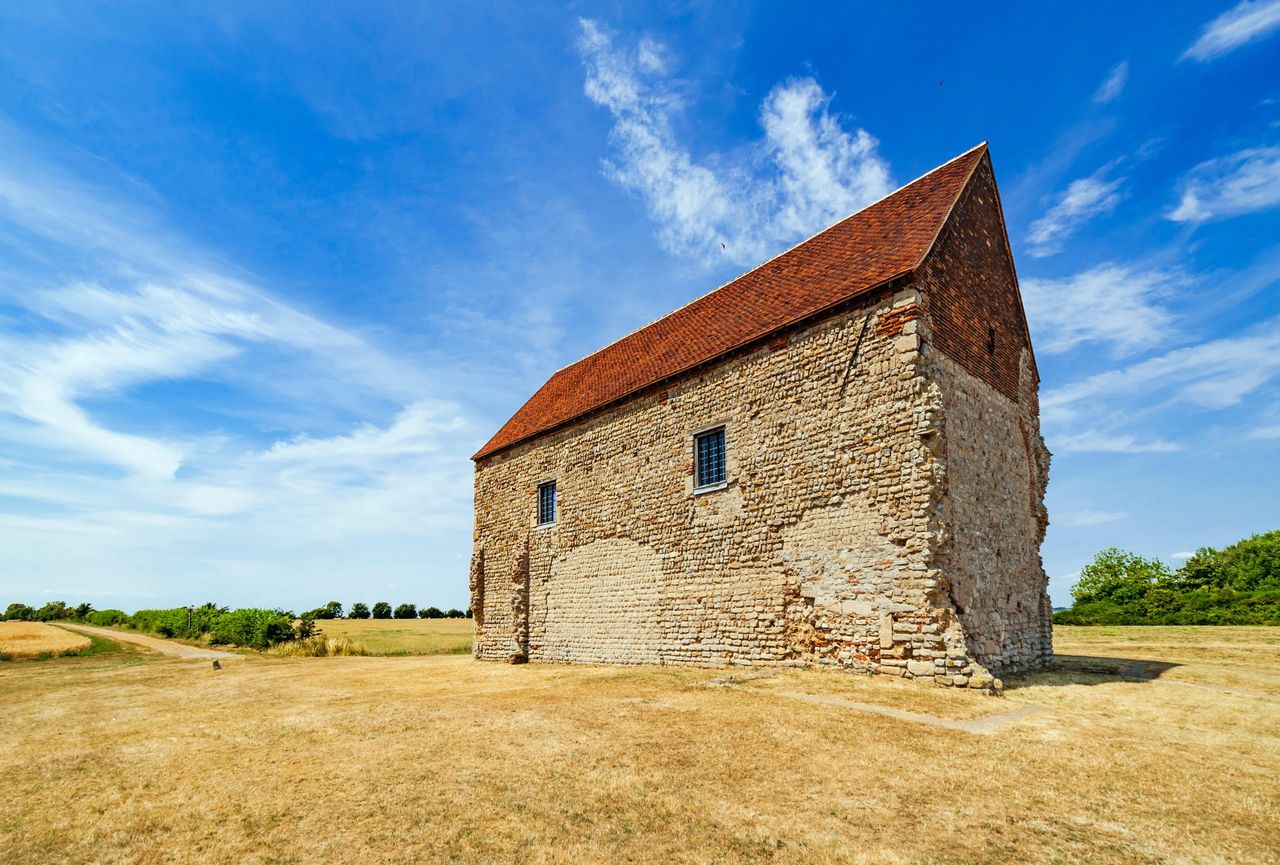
[722, 429]
[555, 504]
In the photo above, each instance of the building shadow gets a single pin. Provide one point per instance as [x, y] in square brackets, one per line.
[1091, 670]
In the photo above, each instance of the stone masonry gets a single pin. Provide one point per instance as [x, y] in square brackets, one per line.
[883, 509]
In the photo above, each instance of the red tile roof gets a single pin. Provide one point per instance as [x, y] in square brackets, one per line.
[882, 241]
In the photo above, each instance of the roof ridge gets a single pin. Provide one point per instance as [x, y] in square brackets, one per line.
[792, 247]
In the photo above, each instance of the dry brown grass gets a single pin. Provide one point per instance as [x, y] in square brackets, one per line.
[37, 639]
[435, 759]
[403, 636]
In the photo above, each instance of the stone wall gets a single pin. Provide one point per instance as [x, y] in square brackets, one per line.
[883, 509]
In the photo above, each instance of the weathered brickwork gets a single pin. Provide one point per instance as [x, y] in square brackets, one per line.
[882, 511]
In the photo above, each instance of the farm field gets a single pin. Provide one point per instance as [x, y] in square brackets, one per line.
[149, 759]
[403, 636]
[34, 639]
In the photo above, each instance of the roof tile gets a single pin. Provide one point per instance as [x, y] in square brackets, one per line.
[880, 242]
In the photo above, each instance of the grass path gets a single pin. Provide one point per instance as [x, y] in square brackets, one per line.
[155, 644]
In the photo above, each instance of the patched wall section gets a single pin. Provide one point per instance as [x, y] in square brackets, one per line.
[993, 517]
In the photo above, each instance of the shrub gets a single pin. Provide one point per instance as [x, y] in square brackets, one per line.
[305, 628]
[107, 618]
[406, 611]
[433, 613]
[19, 613]
[455, 614]
[82, 611]
[53, 611]
[256, 629]
[382, 610]
[359, 610]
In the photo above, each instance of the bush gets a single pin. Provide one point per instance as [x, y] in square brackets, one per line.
[359, 610]
[107, 618]
[19, 613]
[433, 613]
[406, 611]
[256, 629]
[455, 614]
[305, 628]
[53, 611]
[382, 610]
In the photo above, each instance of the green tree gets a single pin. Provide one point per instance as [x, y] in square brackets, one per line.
[359, 610]
[305, 628]
[1246, 566]
[455, 614]
[19, 613]
[1118, 576]
[406, 611]
[53, 611]
[83, 610]
[433, 613]
[382, 610]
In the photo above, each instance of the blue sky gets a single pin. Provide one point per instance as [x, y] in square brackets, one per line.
[270, 276]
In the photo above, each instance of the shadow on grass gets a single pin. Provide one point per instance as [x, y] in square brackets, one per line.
[1091, 670]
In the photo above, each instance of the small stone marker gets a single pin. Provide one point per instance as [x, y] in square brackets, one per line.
[217, 665]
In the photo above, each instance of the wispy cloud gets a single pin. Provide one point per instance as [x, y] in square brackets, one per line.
[1119, 306]
[1244, 182]
[1247, 22]
[1083, 199]
[1095, 441]
[1212, 375]
[1182, 557]
[806, 172]
[1091, 518]
[116, 485]
[1111, 89]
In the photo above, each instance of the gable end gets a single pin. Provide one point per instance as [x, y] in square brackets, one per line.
[971, 289]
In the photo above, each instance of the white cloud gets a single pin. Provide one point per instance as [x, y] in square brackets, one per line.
[1247, 22]
[1083, 199]
[1265, 433]
[1212, 375]
[805, 173]
[1115, 305]
[1096, 441]
[109, 484]
[1114, 85]
[1181, 557]
[1243, 182]
[1092, 518]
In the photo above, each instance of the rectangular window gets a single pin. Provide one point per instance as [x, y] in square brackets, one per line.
[547, 503]
[709, 451]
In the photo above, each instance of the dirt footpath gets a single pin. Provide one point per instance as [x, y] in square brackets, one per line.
[155, 644]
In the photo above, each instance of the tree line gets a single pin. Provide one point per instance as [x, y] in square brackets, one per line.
[1237, 585]
[250, 627]
[384, 610]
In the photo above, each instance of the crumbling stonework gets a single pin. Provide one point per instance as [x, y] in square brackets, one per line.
[883, 508]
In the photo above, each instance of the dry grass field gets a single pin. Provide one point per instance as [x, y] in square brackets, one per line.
[142, 759]
[403, 636]
[36, 639]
